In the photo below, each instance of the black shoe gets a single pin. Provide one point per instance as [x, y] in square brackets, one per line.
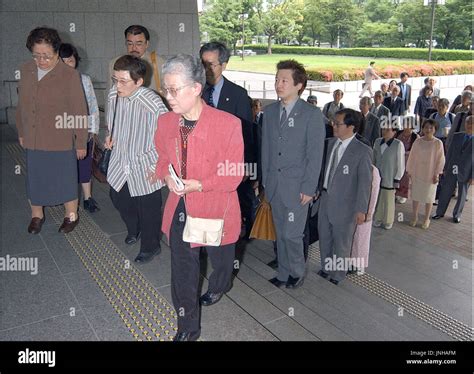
[336, 282]
[91, 205]
[456, 220]
[273, 264]
[132, 239]
[322, 274]
[68, 225]
[35, 225]
[210, 298]
[187, 336]
[144, 257]
[276, 282]
[352, 271]
[437, 216]
[294, 282]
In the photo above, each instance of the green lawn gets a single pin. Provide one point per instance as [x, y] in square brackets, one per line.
[267, 63]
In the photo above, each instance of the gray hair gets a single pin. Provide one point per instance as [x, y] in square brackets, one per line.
[365, 100]
[191, 68]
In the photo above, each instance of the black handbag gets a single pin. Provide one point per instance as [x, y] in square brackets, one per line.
[103, 164]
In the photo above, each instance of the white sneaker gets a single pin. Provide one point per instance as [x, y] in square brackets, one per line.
[388, 227]
[402, 200]
[377, 223]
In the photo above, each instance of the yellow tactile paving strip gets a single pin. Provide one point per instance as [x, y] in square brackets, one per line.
[439, 320]
[147, 315]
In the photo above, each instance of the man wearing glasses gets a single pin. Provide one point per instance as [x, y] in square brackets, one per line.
[225, 95]
[133, 111]
[137, 41]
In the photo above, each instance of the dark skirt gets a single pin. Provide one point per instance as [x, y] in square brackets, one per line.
[84, 166]
[51, 177]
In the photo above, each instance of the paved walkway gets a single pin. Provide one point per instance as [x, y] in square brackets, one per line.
[418, 285]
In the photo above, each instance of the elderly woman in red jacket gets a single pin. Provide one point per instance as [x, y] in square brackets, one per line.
[205, 147]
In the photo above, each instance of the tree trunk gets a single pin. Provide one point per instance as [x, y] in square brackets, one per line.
[269, 45]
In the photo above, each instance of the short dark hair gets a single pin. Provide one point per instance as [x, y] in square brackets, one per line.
[42, 35]
[426, 88]
[137, 30]
[312, 99]
[431, 122]
[351, 118]
[255, 102]
[224, 53]
[372, 62]
[426, 80]
[403, 74]
[67, 50]
[134, 65]
[299, 72]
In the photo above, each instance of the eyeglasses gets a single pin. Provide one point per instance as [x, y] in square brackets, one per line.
[211, 65]
[174, 91]
[121, 81]
[129, 43]
[37, 57]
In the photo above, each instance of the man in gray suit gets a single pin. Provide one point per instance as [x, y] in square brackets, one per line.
[344, 194]
[292, 152]
[457, 170]
[378, 108]
[370, 126]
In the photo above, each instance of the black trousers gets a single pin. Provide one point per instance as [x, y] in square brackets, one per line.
[141, 214]
[248, 204]
[185, 271]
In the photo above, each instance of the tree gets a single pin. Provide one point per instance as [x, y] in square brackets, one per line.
[416, 21]
[313, 24]
[453, 24]
[222, 21]
[277, 19]
[339, 19]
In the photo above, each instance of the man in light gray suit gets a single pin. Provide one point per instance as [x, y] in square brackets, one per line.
[292, 152]
[344, 194]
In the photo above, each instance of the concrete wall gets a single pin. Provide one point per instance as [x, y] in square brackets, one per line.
[96, 28]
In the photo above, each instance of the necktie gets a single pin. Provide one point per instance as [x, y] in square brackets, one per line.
[211, 96]
[283, 117]
[334, 164]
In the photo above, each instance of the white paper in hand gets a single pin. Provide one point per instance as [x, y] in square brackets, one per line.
[177, 180]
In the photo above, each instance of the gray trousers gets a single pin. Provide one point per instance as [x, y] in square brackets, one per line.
[448, 184]
[289, 225]
[334, 240]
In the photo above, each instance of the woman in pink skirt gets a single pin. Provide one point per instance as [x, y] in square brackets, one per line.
[425, 164]
[361, 241]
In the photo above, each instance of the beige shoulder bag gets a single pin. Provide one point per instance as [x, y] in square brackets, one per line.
[203, 231]
[156, 72]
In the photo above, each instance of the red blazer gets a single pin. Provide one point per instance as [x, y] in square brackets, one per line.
[215, 142]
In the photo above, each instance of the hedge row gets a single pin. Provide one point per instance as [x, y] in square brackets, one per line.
[401, 53]
[418, 70]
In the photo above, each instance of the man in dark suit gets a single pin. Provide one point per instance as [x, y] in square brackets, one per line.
[378, 108]
[225, 95]
[457, 170]
[370, 127]
[344, 192]
[394, 103]
[405, 90]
